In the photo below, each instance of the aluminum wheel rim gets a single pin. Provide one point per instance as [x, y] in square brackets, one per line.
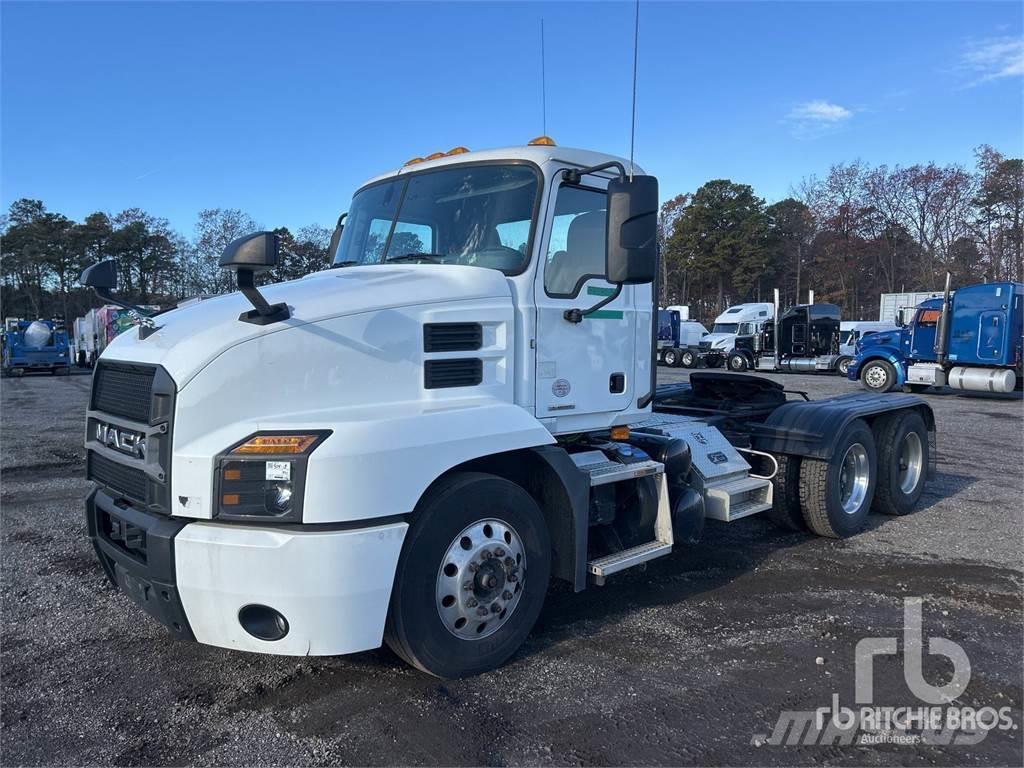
[737, 364]
[911, 462]
[844, 367]
[875, 376]
[854, 478]
[481, 578]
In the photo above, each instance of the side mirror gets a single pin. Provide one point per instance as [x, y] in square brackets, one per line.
[257, 252]
[246, 256]
[332, 249]
[101, 276]
[632, 255]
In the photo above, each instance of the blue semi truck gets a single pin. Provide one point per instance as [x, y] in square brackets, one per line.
[39, 345]
[972, 340]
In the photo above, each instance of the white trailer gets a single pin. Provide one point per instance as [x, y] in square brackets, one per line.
[894, 307]
[405, 448]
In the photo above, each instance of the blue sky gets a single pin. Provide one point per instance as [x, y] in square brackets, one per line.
[283, 110]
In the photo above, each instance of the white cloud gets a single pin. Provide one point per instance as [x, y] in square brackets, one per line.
[993, 58]
[820, 111]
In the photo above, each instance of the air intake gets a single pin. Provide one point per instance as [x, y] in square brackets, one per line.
[452, 337]
[464, 372]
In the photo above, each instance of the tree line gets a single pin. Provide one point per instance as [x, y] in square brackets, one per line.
[42, 254]
[856, 233]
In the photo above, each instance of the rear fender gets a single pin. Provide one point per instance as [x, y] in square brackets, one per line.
[813, 428]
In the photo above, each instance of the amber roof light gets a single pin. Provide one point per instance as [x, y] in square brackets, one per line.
[542, 141]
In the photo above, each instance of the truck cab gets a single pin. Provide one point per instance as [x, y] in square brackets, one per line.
[727, 325]
[970, 339]
[683, 342]
[405, 447]
[805, 339]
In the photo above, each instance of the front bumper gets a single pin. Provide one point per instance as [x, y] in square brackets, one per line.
[331, 583]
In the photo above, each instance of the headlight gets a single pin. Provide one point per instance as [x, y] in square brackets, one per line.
[263, 477]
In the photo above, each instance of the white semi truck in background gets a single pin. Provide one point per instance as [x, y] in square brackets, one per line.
[407, 446]
[736, 320]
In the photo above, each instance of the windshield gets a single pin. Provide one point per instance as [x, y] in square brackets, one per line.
[724, 328]
[480, 215]
[844, 337]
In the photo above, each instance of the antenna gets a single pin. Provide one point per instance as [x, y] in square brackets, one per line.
[543, 85]
[632, 130]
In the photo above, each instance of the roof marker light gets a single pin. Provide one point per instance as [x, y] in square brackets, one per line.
[457, 151]
[414, 161]
[542, 141]
[434, 156]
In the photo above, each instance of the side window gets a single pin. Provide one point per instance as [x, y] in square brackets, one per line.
[928, 316]
[577, 247]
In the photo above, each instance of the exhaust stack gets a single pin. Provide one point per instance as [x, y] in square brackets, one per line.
[941, 347]
[810, 297]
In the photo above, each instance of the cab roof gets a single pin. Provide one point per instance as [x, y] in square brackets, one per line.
[537, 153]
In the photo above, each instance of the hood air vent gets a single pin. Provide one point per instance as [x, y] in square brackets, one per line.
[452, 337]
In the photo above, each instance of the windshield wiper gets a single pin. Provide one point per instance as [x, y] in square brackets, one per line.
[433, 258]
[350, 263]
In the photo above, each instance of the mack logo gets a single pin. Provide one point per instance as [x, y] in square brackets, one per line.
[123, 440]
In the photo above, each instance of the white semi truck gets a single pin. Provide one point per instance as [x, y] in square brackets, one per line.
[407, 447]
[738, 320]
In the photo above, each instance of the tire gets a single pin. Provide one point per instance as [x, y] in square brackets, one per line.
[687, 359]
[671, 358]
[903, 455]
[843, 366]
[831, 507]
[493, 515]
[738, 362]
[878, 376]
[785, 511]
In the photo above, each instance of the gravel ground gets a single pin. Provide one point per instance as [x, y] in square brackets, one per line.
[688, 662]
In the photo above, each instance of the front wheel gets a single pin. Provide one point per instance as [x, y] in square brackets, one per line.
[737, 362]
[688, 359]
[836, 495]
[472, 577]
[843, 366]
[878, 376]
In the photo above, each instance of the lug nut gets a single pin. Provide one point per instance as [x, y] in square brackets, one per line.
[471, 603]
[473, 567]
[506, 595]
[481, 611]
[485, 555]
[513, 577]
[509, 562]
[499, 552]
[468, 586]
[495, 608]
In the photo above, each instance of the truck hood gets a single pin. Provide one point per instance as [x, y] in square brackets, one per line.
[719, 339]
[188, 339]
[888, 338]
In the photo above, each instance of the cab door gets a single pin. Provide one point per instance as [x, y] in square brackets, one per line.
[585, 370]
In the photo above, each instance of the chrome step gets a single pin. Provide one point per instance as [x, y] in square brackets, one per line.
[737, 498]
[614, 471]
[627, 558]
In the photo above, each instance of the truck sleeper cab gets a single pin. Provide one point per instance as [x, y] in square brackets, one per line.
[405, 448]
[972, 339]
[808, 341]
